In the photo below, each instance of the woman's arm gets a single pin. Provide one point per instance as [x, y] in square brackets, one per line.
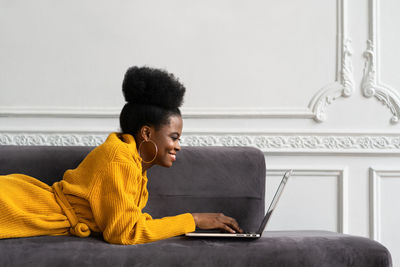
[114, 199]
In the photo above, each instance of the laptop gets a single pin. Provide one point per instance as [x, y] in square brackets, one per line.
[264, 222]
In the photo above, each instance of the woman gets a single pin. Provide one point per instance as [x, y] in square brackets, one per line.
[107, 191]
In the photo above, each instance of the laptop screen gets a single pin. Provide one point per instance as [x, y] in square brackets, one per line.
[274, 201]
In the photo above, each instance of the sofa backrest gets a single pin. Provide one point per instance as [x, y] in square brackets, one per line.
[230, 180]
[46, 163]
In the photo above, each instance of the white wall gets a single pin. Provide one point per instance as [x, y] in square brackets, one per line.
[295, 78]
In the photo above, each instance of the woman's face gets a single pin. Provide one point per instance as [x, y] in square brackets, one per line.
[167, 140]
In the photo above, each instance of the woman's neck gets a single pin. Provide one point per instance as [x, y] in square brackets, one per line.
[146, 166]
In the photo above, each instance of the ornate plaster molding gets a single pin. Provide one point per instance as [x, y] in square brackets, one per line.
[308, 143]
[344, 84]
[268, 143]
[52, 139]
[371, 84]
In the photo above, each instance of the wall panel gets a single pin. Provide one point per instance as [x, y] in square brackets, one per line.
[298, 203]
[385, 185]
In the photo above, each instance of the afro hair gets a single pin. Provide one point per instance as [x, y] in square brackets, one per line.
[155, 87]
[153, 96]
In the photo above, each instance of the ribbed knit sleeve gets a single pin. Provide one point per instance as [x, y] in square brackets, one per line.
[116, 200]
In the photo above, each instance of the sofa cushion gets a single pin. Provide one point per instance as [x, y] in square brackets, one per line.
[297, 248]
[211, 179]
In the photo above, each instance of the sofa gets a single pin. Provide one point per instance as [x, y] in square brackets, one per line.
[230, 180]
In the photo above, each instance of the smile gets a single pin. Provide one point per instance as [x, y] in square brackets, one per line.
[173, 156]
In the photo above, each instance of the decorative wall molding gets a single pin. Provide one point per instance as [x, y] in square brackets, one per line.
[187, 113]
[309, 143]
[57, 112]
[376, 176]
[342, 176]
[52, 139]
[344, 84]
[342, 143]
[371, 84]
[252, 113]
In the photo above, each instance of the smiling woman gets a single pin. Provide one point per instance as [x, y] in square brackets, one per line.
[152, 114]
[164, 145]
[107, 192]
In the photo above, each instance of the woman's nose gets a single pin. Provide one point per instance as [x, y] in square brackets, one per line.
[177, 147]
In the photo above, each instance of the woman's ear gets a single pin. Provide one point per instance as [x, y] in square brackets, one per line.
[145, 132]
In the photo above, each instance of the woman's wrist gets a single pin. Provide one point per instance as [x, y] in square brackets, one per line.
[195, 218]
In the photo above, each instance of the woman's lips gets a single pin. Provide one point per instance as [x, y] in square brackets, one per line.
[172, 156]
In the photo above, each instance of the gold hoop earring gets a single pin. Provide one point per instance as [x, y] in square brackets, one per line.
[155, 155]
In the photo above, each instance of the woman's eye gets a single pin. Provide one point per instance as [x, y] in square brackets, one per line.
[175, 139]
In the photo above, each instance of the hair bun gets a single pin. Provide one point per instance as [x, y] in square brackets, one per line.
[149, 86]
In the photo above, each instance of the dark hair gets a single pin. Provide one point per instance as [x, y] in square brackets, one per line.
[153, 96]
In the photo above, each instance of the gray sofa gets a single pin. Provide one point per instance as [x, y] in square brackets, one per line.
[203, 179]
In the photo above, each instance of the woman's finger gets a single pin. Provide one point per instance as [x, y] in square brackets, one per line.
[228, 229]
[236, 226]
[232, 223]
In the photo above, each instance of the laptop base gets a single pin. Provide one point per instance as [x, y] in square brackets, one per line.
[245, 235]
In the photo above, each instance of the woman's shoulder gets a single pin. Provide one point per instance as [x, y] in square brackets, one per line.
[117, 155]
[119, 148]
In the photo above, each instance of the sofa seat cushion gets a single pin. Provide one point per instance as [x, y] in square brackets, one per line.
[275, 248]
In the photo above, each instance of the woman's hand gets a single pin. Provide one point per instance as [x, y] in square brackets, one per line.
[216, 221]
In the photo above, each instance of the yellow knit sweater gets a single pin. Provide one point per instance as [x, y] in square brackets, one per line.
[107, 192]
